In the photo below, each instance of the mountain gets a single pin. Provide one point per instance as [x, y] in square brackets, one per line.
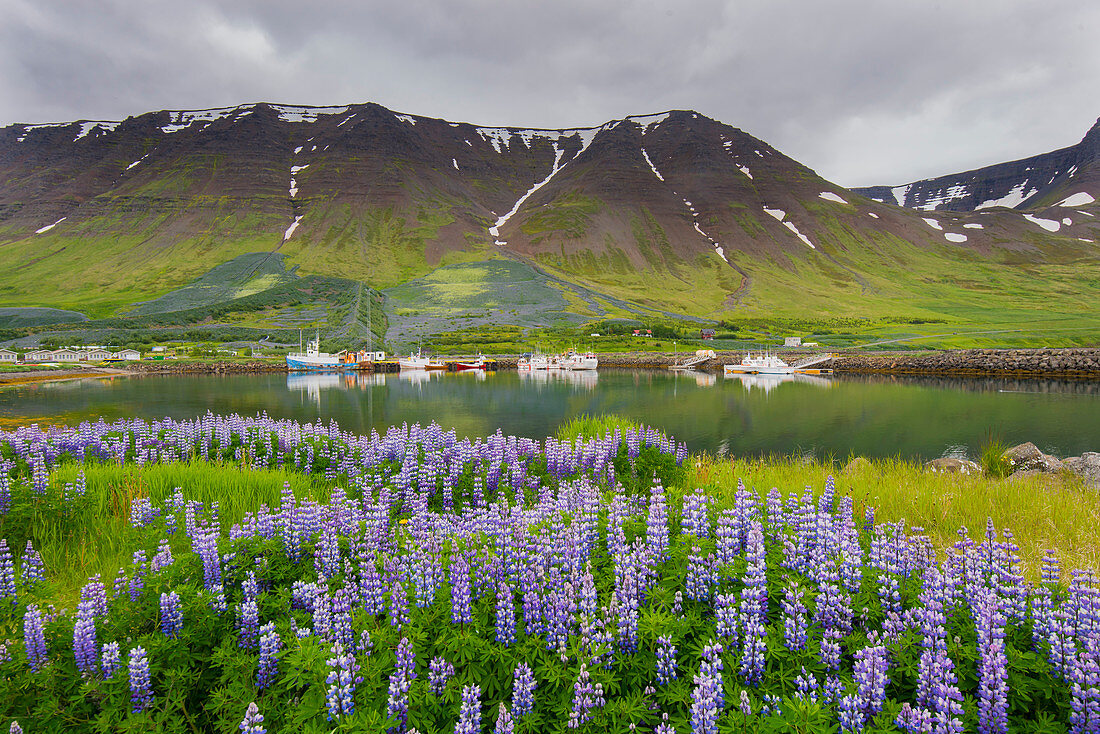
[1024, 184]
[672, 213]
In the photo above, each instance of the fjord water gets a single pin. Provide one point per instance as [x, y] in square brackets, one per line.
[917, 418]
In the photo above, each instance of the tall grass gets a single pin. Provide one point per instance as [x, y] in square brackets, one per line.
[1050, 511]
[590, 426]
[80, 537]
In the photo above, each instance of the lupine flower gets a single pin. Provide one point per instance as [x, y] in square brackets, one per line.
[141, 686]
[586, 697]
[32, 567]
[171, 615]
[34, 639]
[666, 660]
[342, 679]
[523, 691]
[267, 667]
[439, 672]
[110, 660]
[84, 640]
[401, 679]
[505, 725]
[7, 574]
[469, 714]
[253, 720]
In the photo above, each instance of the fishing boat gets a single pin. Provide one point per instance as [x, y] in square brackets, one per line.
[532, 363]
[764, 363]
[573, 360]
[313, 359]
[413, 362]
[436, 363]
[480, 363]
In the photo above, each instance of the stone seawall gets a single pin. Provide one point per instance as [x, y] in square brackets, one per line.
[157, 367]
[1080, 363]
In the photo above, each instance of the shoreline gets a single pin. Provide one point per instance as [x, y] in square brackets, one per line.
[1069, 363]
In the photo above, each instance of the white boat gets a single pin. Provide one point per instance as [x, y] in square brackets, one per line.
[532, 363]
[312, 358]
[413, 362]
[764, 363]
[577, 361]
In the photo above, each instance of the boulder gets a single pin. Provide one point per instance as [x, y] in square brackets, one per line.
[953, 466]
[855, 466]
[1086, 466]
[1028, 457]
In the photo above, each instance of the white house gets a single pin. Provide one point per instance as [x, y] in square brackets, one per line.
[129, 355]
[39, 355]
[97, 355]
[7, 355]
[792, 341]
[67, 354]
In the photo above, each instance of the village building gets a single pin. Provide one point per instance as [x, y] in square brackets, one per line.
[98, 354]
[707, 334]
[7, 355]
[129, 355]
[792, 341]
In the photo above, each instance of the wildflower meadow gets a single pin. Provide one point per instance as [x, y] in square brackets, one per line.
[416, 581]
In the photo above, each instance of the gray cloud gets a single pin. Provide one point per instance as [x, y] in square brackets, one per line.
[867, 91]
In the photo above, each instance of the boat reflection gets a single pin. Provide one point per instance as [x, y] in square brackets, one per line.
[581, 378]
[767, 383]
[312, 383]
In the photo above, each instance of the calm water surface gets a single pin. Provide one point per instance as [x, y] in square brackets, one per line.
[839, 416]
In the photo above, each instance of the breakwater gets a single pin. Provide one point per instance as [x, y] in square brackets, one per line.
[1079, 363]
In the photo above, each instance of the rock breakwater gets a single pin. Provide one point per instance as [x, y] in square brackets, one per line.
[1081, 362]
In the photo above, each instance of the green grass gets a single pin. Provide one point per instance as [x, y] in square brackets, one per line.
[1043, 512]
[94, 535]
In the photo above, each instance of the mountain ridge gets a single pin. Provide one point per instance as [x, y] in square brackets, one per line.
[672, 211]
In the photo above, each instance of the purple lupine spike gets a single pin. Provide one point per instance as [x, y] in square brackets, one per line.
[141, 686]
[399, 605]
[505, 614]
[401, 680]
[707, 698]
[137, 581]
[504, 725]
[992, 666]
[253, 720]
[34, 639]
[248, 624]
[267, 667]
[459, 572]
[171, 615]
[342, 678]
[586, 697]
[870, 673]
[32, 570]
[85, 649]
[666, 660]
[469, 714]
[15, 728]
[523, 691]
[439, 672]
[7, 574]
[110, 660]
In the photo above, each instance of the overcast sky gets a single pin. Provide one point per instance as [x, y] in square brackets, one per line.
[865, 92]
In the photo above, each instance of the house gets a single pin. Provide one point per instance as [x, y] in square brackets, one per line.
[706, 334]
[39, 355]
[97, 354]
[129, 355]
[7, 355]
[792, 341]
[67, 354]
[642, 332]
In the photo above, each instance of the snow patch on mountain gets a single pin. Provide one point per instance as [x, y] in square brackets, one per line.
[799, 235]
[404, 118]
[953, 237]
[934, 224]
[293, 226]
[495, 229]
[973, 225]
[1079, 199]
[1048, 224]
[651, 166]
[183, 119]
[29, 128]
[899, 193]
[830, 196]
[291, 113]
[777, 213]
[87, 127]
[48, 227]
[139, 160]
[1015, 196]
[648, 121]
[745, 170]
